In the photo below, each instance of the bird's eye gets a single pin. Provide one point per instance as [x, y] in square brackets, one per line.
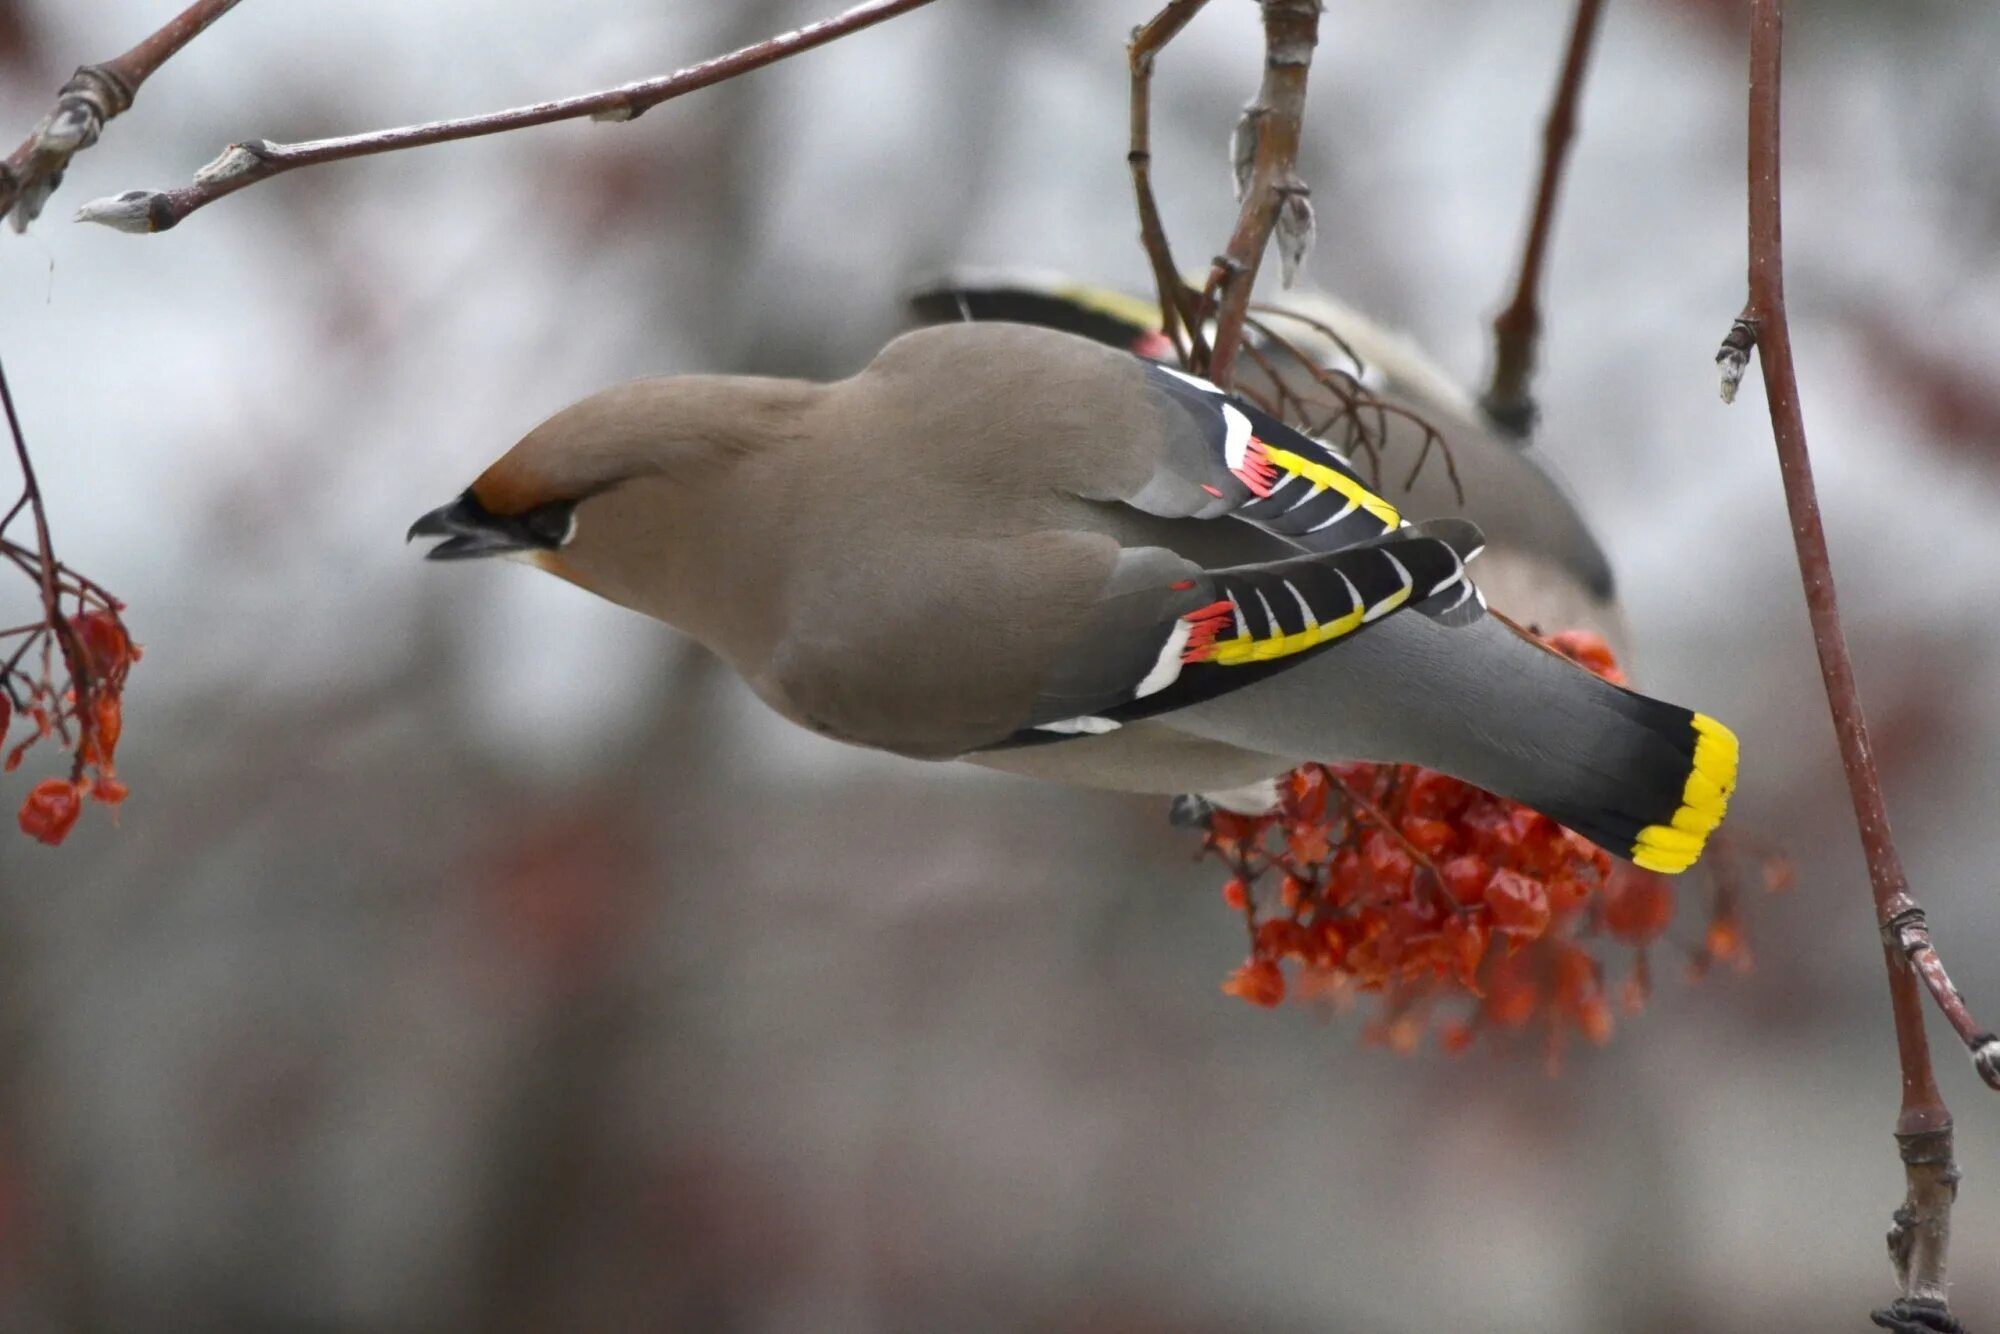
[550, 524]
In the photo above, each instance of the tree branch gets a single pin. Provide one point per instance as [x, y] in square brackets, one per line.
[1271, 125]
[1919, 1241]
[1177, 303]
[53, 581]
[95, 95]
[243, 165]
[45, 556]
[1517, 329]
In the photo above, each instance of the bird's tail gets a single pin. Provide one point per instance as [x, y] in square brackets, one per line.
[1665, 789]
[1641, 778]
[1637, 776]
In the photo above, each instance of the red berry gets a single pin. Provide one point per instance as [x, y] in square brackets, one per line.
[1436, 796]
[1566, 893]
[1282, 938]
[1230, 830]
[1307, 791]
[1465, 939]
[1308, 844]
[1638, 906]
[1259, 981]
[1465, 879]
[1590, 651]
[1519, 904]
[104, 642]
[1512, 995]
[1433, 838]
[50, 810]
[1391, 866]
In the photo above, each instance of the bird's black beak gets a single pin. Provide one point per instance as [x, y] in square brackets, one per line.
[469, 529]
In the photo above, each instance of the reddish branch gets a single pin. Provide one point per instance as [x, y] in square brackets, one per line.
[1919, 1240]
[244, 164]
[1517, 330]
[95, 95]
[1291, 31]
[1177, 302]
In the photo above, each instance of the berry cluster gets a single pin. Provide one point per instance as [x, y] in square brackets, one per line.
[84, 713]
[1449, 903]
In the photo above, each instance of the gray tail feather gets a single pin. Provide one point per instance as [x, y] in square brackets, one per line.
[1481, 704]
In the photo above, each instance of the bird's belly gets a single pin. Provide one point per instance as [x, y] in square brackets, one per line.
[1140, 757]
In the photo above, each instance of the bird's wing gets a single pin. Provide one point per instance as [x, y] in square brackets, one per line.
[1226, 456]
[1508, 487]
[1166, 633]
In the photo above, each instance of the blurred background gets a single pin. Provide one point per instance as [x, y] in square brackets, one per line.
[472, 955]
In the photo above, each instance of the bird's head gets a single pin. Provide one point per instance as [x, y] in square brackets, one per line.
[531, 502]
[540, 497]
[635, 494]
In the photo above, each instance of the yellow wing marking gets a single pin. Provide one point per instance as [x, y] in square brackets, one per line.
[1320, 474]
[1245, 648]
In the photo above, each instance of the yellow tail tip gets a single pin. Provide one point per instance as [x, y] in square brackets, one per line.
[1672, 847]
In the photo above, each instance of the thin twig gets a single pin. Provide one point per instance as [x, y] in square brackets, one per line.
[1177, 303]
[1908, 931]
[1440, 899]
[94, 96]
[1919, 1242]
[1318, 326]
[47, 572]
[1291, 31]
[1517, 330]
[1354, 403]
[244, 164]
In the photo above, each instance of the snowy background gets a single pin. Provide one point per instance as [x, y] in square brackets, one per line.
[473, 955]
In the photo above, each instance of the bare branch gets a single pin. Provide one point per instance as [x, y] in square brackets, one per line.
[1517, 330]
[1920, 1240]
[47, 574]
[1176, 301]
[244, 164]
[1291, 31]
[94, 96]
[80, 706]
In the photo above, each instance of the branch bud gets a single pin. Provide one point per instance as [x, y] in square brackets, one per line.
[1243, 147]
[1294, 230]
[1986, 1060]
[234, 161]
[71, 127]
[1733, 357]
[129, 212]
[34, 193]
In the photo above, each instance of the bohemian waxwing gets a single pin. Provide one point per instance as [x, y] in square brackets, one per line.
[1024, 548]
